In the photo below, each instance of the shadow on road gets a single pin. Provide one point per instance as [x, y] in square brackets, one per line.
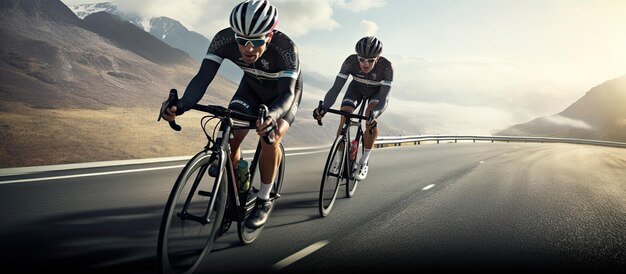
[119, 240]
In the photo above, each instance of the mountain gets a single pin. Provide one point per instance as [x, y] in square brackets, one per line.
[173, 33]
[52, 59]
[168, 30]
[80, 90]
[127, 36]
[599, 115]
[317, 80]
[89, 90]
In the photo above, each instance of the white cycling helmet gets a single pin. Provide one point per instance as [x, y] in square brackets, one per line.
[253, 18]
[368, 47]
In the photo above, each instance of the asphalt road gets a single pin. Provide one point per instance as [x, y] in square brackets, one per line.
[466, 207]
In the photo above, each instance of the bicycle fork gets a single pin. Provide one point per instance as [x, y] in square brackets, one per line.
[217, 156]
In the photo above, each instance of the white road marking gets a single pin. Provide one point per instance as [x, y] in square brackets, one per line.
[120, 171]
[298, 255]
[482, 162]
[89, 174]
[428, 187]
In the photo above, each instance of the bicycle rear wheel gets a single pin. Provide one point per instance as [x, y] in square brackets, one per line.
[248, 235]
[188, 229]
[332, 176]
[352, 165]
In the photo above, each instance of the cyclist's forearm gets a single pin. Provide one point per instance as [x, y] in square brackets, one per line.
[198, 85]
[384, 99]
[283, 102]
[332, 94]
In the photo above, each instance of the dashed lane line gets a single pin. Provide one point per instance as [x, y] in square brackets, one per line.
[298, 255]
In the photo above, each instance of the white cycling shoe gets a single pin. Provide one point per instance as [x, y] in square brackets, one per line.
[361, 172]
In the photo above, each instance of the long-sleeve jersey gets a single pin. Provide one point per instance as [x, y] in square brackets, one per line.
[378, 80]
[273, 76]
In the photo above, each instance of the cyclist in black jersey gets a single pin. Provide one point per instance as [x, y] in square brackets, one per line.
[371, 77]
[272, 77]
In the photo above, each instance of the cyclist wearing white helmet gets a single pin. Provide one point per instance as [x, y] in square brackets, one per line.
[371, 77]
[272, 77]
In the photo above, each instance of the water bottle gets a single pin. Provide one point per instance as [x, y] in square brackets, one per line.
[243, 176]
[353, 149]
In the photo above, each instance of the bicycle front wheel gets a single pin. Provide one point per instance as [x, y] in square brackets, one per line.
[332, 176]
[192, 216]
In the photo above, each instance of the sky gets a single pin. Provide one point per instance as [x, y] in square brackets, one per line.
[460, 67]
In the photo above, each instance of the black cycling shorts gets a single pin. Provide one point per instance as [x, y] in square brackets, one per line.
[247, 101]
[354, 96]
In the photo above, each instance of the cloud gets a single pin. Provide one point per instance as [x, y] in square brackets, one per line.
[297, 18]
[562, 120]
[369, 27]
[203, 16]
[361, 5]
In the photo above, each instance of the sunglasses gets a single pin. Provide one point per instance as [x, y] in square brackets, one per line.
[367, 60]
[255, 42]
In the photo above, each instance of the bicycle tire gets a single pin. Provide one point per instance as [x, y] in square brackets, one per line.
[329, 186]
[351, 182]
[184, 253]
[248, 235]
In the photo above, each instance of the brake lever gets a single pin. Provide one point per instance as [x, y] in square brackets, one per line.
[262, 115]
[172, 99]
[370, 120]
[320, 107]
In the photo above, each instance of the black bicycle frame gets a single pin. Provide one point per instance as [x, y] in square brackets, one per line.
[349, 122]
[220, 151]
[346, 132]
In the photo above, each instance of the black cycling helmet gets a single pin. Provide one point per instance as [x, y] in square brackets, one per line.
[253, 18]
[368, 47]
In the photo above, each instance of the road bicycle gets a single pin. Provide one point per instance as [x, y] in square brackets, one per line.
[342, 163]
[205, 199]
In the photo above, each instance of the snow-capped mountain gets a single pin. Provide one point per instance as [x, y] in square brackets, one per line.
[166, 29]
[178, 36]
[86, 9]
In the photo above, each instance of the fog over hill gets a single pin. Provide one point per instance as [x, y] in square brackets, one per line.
[600, 115]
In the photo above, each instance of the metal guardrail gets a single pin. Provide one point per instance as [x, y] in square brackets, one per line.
[417, 139]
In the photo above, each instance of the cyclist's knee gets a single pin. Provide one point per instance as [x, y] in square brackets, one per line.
[370, 108]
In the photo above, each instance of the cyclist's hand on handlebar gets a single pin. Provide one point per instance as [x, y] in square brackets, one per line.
[371, 121]
[318, 114]
[267, 128]
[170, 113]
